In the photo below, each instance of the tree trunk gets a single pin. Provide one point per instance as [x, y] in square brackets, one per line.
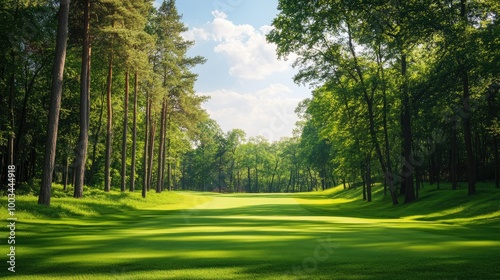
[123, 185]
[256, 179]
[22, 120]
[322, 176]
[289, 181]
[368, 179]
[151, 150]
[169, 176]
[432, 168]
[12, 97]
[471, 165]
[55, 103]
[437, 163]
[231, 176]
[389, 178]
[471, 172]
[220, 174]
[497, 162]
[164, 154]
[109, 127]
[145, 179]
[134, 135]
[167, 159]
[249, 181]
[83, 138]
[272, 177]
[238, 176]
[66, 170]
[96, 139]
[161, 157]
[408, 171]
[363, 178]
[454, 159]
[417, 181]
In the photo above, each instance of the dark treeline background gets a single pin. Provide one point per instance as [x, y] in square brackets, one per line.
[404, 92]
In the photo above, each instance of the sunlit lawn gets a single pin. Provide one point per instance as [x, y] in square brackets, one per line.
[323, 235]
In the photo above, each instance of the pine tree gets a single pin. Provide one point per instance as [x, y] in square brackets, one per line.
[55, 103]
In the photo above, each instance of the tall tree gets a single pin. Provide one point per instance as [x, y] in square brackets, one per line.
[109, 124]
[123, 185]
[134, 134]
[471, 165]
[83, 138]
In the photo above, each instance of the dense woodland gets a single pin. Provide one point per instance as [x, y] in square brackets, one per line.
[404, 92]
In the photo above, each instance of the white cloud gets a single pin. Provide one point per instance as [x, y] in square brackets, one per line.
[196, 33]
[248, 53]
[268, 112]
[219, 14]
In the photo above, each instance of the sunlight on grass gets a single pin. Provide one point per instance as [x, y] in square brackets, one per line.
[437, 214]
[453, 246]
[326, 201]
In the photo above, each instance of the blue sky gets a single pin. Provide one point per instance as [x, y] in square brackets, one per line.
[249, 87]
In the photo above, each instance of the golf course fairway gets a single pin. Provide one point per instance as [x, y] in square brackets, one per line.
[254, 236]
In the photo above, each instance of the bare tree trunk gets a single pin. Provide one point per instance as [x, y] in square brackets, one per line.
[167, 152]
[134, 135]
[151, 150]
[124, 135]
[83, 139]
[159, 182]
[55, 103]
[109, 127]
[145, 179]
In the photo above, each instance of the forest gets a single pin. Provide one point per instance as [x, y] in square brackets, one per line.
[100, 94]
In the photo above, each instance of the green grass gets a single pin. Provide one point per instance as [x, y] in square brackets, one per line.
[322, 235]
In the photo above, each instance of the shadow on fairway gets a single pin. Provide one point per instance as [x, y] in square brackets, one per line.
[262, 241]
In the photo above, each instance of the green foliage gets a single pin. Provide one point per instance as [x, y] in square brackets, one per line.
[391, 87]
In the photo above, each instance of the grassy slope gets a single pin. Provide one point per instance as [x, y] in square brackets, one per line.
[324, 235]
[444, 205]
[445, 235]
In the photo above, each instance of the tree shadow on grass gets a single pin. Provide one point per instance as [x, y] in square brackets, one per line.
[265, 241]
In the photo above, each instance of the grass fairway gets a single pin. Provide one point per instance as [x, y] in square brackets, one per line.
[325, 235]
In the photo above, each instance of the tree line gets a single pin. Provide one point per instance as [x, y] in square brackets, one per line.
[114, 68]
[231, 162]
